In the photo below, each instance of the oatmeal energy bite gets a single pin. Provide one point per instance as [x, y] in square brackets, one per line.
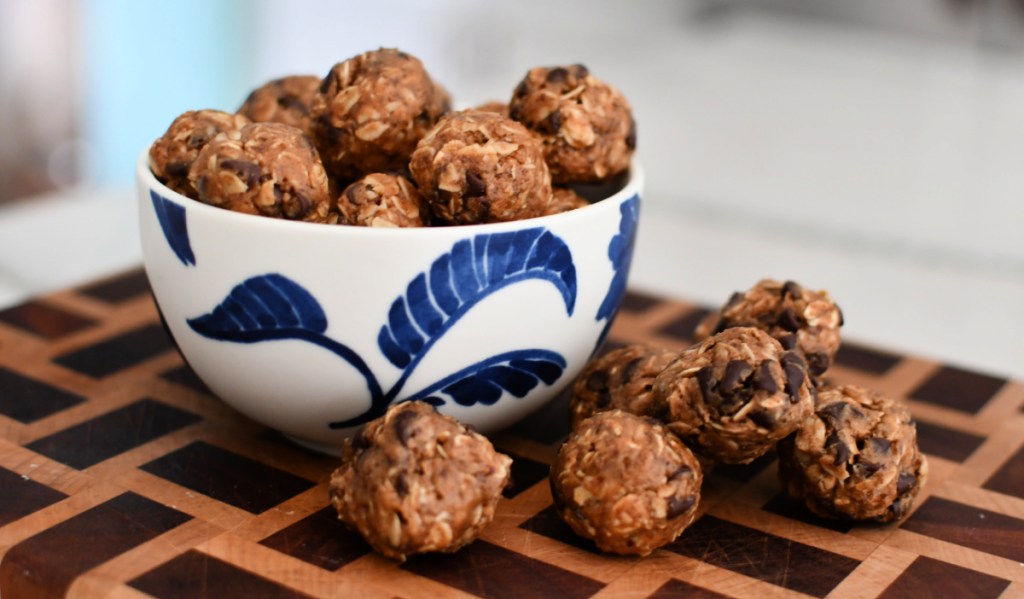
[382, 200]
[371, 110]
[481, 167]
[800, 318]
[733, 396]
[626, 483]
[285, 100]
[171, 156]
[268, 169]
[620, 379]
[855, 457]
[416, 481]
[587, 125]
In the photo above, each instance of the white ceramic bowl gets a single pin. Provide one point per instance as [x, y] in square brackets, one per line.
[314, 329]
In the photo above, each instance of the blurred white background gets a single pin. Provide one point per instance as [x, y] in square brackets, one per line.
[871, 148]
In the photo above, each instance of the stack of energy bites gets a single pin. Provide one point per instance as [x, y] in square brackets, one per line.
[751, 383]
[375, 143]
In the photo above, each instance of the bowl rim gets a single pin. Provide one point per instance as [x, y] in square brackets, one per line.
[145, 176]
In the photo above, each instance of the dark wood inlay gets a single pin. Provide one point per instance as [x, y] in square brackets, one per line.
[678, 589]
[958, 389]
[864, 358]
[113, 433]
[228, 477]
[946, 443]
[26, 399]
[320, 539]
[969, 526]
[46, 564]
[492, 572]
[927, 577]
[21, 496]
[682, 328]
[118, 289]
[44, 320]
[109, 356]
[200, 576]
[1009, 479]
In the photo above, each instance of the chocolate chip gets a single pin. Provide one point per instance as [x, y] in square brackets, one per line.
[841, 319]
[521, 89]
[630, 369]
[177, 169]
[580, 70]
[787, 341]
[792, 357]
[705, 379]
[734, 299]
[680, 472]
[325, 83]
[557, 75]
[817, 362]
[905, 483]
[597, 380]
[554, 121]
[403, 423]
[248, 171]
[677, 507]
[843, 452]
[762, 419]
[736, 372]
[792, 289]
[763, 379]
[475, 186]
[361, 440]
[794, 380]
[631, 136]
[290, 102]
[788, 319]
[880, 445]
[401, 485]
[604, 399]
[865, 468]
[833, 411]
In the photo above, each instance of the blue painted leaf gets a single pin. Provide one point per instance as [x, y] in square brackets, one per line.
[270, 307]
[456, 281]
[620, 252]
[516, 372]
[172, 221]
[266, 307]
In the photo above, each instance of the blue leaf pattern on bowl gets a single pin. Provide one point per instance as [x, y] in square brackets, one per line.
[620, 252]
[272, 306]
[515, 372]
[172, 221]
[473, 269]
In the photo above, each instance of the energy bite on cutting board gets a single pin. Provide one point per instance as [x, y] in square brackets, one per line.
[800, 318]
[586, 125]
[371, 110]
[481, 167]
[286, 100]
[733, 396]
[382, 200]
[626, 483]
[621, 379]
[416, 481]
[855, 457]
[171, 156]
[268, 169]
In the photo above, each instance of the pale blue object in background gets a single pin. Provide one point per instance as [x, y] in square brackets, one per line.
[144, 63]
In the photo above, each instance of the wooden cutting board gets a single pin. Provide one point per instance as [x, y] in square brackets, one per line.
[121, 476]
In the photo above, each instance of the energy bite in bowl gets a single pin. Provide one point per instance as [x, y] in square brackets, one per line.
[621, 379]
[286, 100]
[268, 169]
[171, 156]
[564, 199]
[382, 200]
[855, 457]
[586, 125]
[481, 167]
[800, 318]
[416, 481]
[626, 483]
[371, 110]
[733, 396]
